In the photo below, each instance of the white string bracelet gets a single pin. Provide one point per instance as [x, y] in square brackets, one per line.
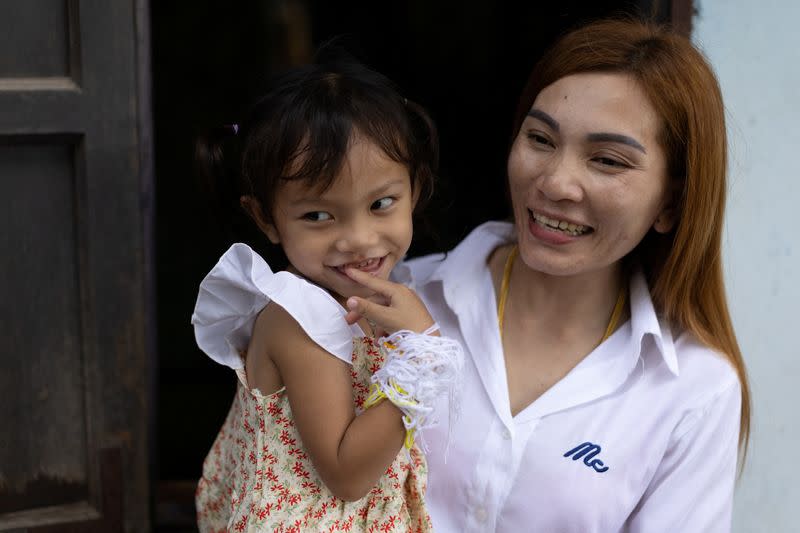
[419, 369]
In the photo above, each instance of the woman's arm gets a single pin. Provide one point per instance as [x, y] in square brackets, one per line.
[350, 452]
[692, 490]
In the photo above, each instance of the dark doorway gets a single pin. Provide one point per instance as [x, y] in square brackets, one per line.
[465, 61]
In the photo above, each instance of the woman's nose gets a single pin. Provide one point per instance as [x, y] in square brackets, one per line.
[562, 179]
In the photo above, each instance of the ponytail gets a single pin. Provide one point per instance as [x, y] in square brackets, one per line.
[217, 166]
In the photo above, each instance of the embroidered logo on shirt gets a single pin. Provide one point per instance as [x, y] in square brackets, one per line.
[587, 451]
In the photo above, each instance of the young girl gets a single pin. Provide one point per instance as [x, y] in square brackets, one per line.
[332, 162]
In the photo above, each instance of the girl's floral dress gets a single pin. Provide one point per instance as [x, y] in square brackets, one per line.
[257, 476]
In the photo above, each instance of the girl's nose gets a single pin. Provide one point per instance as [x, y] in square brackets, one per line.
[357, 238]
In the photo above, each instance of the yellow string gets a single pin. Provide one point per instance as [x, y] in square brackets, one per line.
[616, 314]
[619, 309]
[501, 305]
[377, 395]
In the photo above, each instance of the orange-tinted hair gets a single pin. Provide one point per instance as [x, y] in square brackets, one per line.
[683, 267]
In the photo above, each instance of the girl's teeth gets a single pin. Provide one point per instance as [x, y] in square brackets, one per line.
[363, 264]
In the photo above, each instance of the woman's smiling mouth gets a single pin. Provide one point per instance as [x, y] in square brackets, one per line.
[562, 226]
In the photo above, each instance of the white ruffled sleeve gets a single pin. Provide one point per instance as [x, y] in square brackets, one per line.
[241, 285]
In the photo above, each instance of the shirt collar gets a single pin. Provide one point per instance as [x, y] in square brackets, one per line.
[466, 263]
[645, 321]
[463, 266]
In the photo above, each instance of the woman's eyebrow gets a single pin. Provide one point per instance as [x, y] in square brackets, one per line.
[615, 138]
[544, 117]
[592, 137]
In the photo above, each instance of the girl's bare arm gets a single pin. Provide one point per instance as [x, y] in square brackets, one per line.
[350, 452]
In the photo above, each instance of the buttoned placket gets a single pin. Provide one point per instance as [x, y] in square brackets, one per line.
[492, 470]
[495, 471]
[494, 463]
[500, 453]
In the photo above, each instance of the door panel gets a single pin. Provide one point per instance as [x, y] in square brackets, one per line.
[46, 461]
[43, 36]
[74, 357]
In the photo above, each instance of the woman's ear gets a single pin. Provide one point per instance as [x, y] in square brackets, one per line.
[252, 207]
[665, 220]
[668, 216]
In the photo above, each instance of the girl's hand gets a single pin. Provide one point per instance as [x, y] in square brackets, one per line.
[393, 308]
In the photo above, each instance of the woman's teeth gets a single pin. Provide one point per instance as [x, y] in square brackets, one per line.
[560, 225]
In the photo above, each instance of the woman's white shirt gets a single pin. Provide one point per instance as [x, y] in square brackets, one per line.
[641, 436]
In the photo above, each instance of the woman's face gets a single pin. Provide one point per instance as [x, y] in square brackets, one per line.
[587, 175]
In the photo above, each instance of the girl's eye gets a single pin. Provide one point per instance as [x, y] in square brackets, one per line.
[383, 203]
[317, 216]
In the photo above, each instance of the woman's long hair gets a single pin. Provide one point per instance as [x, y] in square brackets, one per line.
[684, 266]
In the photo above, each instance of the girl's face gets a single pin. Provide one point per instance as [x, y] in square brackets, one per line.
[587, 175]
[362, 220]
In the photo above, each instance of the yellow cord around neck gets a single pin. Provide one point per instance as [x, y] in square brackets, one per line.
[616, 314]
[501, 305]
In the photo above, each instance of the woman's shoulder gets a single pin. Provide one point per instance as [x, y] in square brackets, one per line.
[704, 373]
[686, 366]
[240, 285]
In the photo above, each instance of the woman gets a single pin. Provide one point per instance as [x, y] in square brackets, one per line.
[604, 387]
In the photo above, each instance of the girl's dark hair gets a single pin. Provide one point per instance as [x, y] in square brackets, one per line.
[301, 129]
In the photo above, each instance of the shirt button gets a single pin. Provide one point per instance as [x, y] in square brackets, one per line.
[506, 434]
[480, 514]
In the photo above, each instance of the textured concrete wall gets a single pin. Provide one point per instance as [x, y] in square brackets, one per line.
[755, 49]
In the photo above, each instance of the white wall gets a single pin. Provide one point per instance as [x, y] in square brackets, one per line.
[755, 49]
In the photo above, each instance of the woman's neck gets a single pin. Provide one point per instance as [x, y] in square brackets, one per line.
[562, 305]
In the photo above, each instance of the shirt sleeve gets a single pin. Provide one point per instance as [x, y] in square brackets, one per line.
[692, 489]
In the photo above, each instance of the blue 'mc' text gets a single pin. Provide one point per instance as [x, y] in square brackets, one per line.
[587, 451]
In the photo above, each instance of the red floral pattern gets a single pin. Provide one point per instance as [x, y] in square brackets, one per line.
[257, 476]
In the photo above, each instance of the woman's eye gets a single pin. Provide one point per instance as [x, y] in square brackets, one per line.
[610, 162]
[383, 203]
[317, 216]
[537, 138]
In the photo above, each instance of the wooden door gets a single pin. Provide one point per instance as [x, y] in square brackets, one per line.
[75, 219]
